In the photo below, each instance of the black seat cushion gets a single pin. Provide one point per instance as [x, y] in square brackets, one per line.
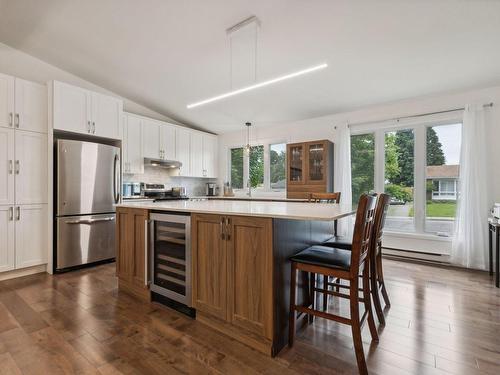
[338, 242]
[325, 257]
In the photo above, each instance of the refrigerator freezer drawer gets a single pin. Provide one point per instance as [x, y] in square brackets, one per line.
[84, 239]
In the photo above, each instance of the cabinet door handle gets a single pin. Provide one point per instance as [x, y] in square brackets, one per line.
[18, 167]
[88, 126]
[18, 216]
[93, 127]
[11, 213]
[11, 119]
[11, 167]
[228, 229]
[222, 234]
[17, 120]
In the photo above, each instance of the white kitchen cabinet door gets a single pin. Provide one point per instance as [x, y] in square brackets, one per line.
[31, 235]
[183, 147]
[209, 156]
[167, 135]
[6, 166]
[151, 139]
[6, 101]
[106, 116]
[30, 106]
[196, 155]
[132, 145]
[72, 107]
[7, 251]
[30, 167]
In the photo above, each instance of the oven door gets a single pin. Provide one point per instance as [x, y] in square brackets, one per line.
[170, 250]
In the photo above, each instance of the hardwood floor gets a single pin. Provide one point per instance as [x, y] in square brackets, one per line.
[441, 321]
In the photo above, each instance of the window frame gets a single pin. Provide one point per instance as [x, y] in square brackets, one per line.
[266, 188]
[419, 126]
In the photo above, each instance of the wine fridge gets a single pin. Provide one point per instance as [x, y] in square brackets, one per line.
[170, 254]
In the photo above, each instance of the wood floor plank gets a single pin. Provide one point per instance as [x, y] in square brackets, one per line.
[26, 317]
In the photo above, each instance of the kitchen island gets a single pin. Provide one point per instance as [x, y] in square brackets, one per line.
[238, 263]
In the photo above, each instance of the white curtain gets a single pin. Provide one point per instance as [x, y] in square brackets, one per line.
[342, 178]
[470, 246]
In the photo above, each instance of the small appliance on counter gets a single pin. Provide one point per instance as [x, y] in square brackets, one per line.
[131, 190]
[495, 211]
[212, 189]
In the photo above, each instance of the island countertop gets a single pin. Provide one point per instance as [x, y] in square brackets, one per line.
[276, 210]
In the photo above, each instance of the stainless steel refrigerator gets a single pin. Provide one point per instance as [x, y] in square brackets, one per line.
[87, 188]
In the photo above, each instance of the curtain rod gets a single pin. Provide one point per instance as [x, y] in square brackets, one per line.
[413, 116]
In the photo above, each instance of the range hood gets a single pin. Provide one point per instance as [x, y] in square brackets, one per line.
[162, 163]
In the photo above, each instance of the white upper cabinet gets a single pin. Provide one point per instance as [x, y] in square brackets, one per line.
[30, 167]
[6, 166]
[82, 111]
[6, 101]
[183, 147]
[106, 116]
[151, 139]
[30, 106]
[31, 235]
[133, 158]
[167, 146]
[7, 250]
[196, 155]
[72, 108]
[209, 155]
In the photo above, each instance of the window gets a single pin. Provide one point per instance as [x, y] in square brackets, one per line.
[237, 167]
[418, 165]
[399, 179]
[256, 169]
[442, 174]
[264, 167]
[362, 165]
[277, 166]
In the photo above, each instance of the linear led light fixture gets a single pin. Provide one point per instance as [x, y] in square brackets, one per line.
[259, 85]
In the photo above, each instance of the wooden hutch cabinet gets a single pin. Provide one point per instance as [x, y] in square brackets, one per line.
[309, 168]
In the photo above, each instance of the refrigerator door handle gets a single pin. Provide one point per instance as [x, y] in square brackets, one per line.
[116, 176]
[91, 221]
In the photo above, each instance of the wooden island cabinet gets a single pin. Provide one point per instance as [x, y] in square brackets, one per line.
[233, 276]
[238, 253]
[131, 254]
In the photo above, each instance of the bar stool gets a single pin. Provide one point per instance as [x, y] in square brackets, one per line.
[345, 265]
[377, 282]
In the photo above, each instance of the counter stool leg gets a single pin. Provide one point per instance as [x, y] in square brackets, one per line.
[291, 324]
[497, 283]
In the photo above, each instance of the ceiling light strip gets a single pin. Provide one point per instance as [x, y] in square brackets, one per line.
[258, 85]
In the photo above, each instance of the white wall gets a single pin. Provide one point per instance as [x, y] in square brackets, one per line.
[323, 128]
[22, 65]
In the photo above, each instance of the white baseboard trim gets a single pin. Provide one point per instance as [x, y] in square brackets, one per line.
[416, 255]
[23, 272]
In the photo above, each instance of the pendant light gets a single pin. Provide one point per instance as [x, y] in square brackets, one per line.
[248, 147]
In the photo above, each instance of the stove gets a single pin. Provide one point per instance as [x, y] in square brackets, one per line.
[160, 193]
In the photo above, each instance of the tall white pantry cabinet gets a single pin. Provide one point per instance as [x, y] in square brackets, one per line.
[23, 174]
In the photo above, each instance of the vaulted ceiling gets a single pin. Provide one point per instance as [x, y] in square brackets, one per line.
[165, 54]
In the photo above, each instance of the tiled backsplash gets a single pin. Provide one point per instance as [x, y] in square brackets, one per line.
[155, 175]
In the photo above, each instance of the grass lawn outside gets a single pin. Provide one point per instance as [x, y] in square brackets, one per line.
[438, 209]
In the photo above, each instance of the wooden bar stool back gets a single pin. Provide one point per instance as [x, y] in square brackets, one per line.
[345, 265]
[326, 198]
